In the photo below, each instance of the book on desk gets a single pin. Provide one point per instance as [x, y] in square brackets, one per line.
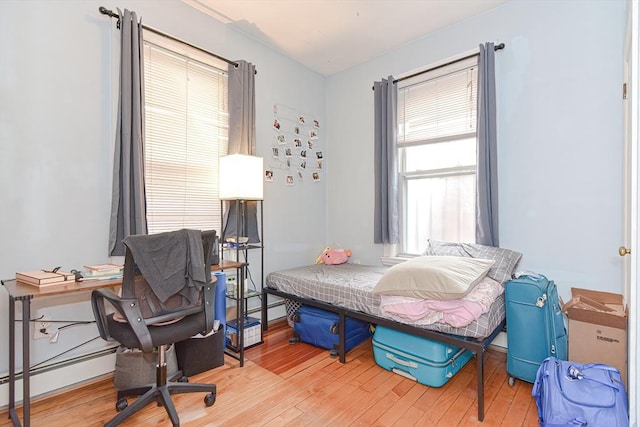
[45, 278]
[102, 270]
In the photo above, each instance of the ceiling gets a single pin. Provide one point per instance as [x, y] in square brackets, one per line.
[329, 36]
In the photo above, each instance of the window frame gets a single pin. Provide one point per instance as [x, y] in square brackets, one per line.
[398, 252]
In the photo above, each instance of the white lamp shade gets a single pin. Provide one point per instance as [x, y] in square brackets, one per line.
[240, 177]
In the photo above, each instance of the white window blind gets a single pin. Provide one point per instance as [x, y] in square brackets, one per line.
[186, 131]
[437, 155]
[438, 104]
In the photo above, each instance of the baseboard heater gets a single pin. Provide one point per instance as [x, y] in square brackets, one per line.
[62, 363]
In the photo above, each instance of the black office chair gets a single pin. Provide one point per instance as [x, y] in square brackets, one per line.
[145, 321]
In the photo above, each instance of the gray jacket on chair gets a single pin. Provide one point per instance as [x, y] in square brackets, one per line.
[161, 260]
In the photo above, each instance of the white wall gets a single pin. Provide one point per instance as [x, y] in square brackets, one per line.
[57, 80]
[559, 135]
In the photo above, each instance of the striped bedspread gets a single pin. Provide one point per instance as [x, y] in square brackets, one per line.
[350, 286]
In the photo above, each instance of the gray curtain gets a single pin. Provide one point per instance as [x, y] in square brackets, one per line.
[128, 202]
[242, 108]
[386, 221]
[487, 173]
[242, 140]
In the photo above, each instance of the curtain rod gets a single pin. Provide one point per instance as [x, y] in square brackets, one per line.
[496, 47]
[103, 10]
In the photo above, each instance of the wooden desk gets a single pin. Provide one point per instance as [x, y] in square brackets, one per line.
[25, 293]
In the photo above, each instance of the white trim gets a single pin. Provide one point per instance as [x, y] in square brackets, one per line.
[389, 250]
[204, 8]
[500, 342]
[452, 58]
[393, 260]
[632, 208]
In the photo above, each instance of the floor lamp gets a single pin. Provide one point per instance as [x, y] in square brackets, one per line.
[241, 185]
[240, 178]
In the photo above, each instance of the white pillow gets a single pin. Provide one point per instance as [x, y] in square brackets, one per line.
[506, 259]
[433, 277]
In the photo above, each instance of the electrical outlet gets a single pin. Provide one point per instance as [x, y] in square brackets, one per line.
[40, 327]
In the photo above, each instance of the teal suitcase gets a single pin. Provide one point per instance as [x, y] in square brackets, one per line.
[423, 360]
[535, 325]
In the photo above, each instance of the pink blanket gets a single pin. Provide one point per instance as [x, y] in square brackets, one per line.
[457, 312]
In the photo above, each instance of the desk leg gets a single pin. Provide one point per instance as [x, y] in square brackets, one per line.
[12, 358]
[26, 363]
[26, 392]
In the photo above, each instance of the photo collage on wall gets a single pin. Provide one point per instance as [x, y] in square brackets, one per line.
[296, 155]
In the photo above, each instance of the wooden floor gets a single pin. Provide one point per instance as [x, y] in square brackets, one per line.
[296, 385]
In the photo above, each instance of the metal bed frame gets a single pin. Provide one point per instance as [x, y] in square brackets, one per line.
[477, 345]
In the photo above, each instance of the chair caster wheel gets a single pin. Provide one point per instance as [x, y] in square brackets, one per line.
[183, 379]
[121, 404]
[210, 399]
[333, 353]
[512, 381]
[294, 340]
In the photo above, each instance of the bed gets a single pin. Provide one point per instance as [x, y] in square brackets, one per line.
[347, 290]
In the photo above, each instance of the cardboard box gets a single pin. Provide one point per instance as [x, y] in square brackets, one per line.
[597, 328]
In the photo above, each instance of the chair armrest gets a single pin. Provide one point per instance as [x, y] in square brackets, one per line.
[127, 308]
[100, 310]
[208, 295]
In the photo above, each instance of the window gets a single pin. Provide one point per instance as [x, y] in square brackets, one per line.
[186, 131]
[437, 155]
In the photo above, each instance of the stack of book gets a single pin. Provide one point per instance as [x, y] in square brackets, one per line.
[43, 278]
[102, 271]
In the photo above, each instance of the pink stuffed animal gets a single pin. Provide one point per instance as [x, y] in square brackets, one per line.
[332, 256]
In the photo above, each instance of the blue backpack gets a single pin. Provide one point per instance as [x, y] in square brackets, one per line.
[570, 394]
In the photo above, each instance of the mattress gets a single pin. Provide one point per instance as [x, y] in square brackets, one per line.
[350, 286]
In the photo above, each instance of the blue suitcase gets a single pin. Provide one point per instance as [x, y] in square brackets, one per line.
[320, 328]
[423, 360]
[535, 326]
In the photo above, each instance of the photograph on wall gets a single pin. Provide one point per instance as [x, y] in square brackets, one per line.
[297, 134]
